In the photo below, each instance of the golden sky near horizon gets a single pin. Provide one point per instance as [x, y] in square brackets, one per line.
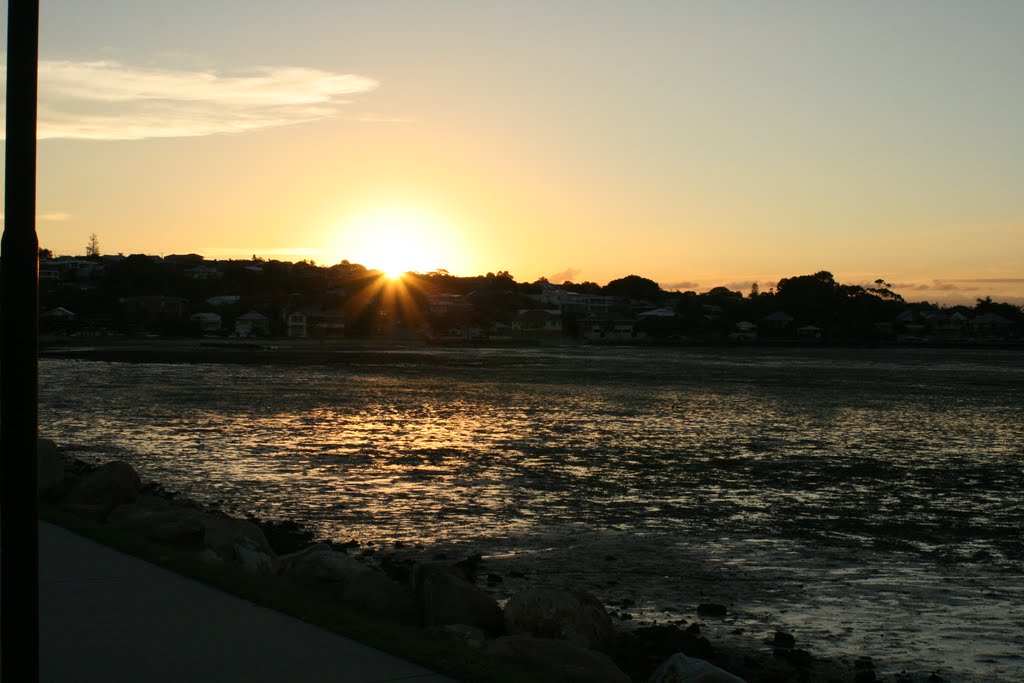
[698, 144]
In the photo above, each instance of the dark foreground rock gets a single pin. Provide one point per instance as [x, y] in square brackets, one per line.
[99, 492]
[575, 616]
[682, 669]
[447, 598]
[571, 662]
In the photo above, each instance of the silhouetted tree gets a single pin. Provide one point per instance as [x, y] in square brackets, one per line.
[92, 247]
[634, 287]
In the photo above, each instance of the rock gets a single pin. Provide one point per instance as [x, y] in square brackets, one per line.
[682, 669]
[321, 563]
[156, 519]
[237, 540]
[254, 558]
[469, 635]
[49, 468]
[183, 532]
[799, 657]
[568, 661]
[372, 593]
[447, 598]
[210, 557]
[352, 583]
[642, 650]
[284, 536]
[711, 609]
[783, 640]
[575, 616]
[109, 486]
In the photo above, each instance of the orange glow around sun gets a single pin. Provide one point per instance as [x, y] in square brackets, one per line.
[394, 241]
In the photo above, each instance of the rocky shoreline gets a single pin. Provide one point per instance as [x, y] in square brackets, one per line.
[493, 610]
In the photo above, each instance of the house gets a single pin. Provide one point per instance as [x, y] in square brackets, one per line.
[58, 320]
[252, 323]
[203, 272]
[809, 332]
[297, 325]
[443, 304]
[154, 308]
[314, 323]
[992, 325]
[777, 324]
[658, 313]
[537, 323]
[611, 330]
[208, 323]
[573, 302]
[744, 331]
[945, 327]
[223, 300]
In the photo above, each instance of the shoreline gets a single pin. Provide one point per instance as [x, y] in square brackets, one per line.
[643, 642]
[287, 351]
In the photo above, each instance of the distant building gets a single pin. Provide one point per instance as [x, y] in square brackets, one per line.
[537, 323]
[156, 308]
[992, 325]
[206, 322]
[611, 330]
[223, 300]
[574, 302]
[251, 324]
[744, 331]
[204, 273]
[314, 323]
[777, 324]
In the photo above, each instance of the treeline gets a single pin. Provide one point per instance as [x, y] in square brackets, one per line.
[141, 293]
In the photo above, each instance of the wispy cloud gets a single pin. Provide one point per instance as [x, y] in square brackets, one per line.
[682, 284]
[238, 252]
[49, 216]
[566, 275]
[108, 100]
[991, 280]
[53, 216]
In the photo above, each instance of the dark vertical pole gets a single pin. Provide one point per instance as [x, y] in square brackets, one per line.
[19, 259]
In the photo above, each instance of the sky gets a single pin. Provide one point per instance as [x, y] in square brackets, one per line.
[695, 143]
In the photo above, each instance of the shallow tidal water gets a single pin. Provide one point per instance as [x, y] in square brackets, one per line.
[870, 501]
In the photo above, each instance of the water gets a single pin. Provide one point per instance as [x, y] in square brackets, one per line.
[870, 501]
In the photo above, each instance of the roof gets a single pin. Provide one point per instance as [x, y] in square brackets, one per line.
[252, 315]
[658, 313]
[781, 316]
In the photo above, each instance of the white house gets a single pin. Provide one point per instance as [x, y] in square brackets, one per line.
[252, 323]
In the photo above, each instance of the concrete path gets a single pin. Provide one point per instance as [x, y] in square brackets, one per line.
[109, 617]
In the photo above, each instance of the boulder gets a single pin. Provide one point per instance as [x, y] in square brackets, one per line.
[109, 486]
[447, 598]
[321, 563]
[240, 542]
[373, 593]
[156, 519]
[49, 468]
[575, 616]
[682, 669]
[470, 635]
[570, 662]
[352, 583]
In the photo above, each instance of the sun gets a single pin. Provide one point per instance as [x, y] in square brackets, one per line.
[395, 241]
